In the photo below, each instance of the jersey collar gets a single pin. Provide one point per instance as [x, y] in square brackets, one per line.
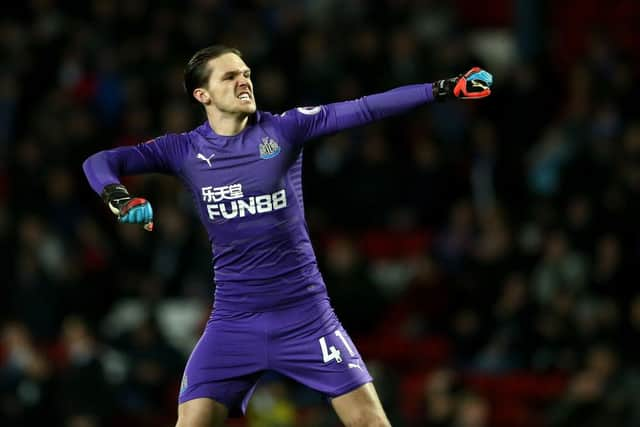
[205, 128]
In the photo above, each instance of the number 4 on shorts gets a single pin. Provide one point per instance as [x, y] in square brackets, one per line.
[326, 356]
[331, 353]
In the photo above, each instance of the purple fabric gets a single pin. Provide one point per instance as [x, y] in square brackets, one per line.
[248, 191]
[236, 348]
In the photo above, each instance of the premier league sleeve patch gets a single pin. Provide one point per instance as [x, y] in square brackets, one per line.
[309, 111]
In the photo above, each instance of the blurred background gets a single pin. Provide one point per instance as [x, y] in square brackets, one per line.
[483, 255]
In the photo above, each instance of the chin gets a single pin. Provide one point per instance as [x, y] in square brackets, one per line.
[249, 109]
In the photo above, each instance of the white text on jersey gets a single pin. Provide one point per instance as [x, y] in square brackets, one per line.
[239, 207]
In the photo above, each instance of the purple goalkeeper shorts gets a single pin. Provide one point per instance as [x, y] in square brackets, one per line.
[305, 343]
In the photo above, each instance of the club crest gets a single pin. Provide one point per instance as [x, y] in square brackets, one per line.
[269, 148]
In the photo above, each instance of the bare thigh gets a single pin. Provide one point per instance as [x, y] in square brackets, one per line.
[201, 412]
[361, 407]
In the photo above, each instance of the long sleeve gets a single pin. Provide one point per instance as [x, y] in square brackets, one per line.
[302, 124]
[162, 155]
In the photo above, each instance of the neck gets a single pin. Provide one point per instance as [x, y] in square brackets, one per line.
[226, 124]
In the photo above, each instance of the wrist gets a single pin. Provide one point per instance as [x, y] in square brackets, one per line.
[443, 89]
[115, 195]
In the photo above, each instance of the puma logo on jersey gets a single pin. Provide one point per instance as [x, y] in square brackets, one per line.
[206, 159]
[354, 365]
[184, 383]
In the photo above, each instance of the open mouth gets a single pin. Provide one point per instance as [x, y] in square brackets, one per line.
[244, 96]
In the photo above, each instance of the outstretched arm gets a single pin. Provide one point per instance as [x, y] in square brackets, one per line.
[306, 123]
[104, 169]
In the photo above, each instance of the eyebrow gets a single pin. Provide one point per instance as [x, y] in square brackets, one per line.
[236, 72]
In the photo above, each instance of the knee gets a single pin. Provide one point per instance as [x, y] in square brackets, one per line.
[368, 419]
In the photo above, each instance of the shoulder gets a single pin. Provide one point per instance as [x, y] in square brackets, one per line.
[266, 117]
[174, 141]
[268, 121]
[201, 132]
[174, 145]
[171, 138]
[292, 113]
[291, 117]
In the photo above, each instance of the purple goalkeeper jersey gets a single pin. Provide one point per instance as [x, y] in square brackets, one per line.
[248, 192]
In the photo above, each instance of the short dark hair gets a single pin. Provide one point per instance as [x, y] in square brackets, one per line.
[196, 73]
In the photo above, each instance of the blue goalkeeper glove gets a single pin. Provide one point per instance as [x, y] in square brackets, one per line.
[129, 210]
[474, 84]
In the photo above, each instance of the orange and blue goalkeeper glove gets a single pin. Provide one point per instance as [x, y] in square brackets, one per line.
[474, 84]
[129, 210]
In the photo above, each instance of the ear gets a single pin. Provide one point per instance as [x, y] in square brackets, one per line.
[201, 95]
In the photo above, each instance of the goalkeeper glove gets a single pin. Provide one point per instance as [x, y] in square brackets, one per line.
[475, 83]
[129, 210]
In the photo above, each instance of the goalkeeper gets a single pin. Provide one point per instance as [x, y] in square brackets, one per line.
[243, 169]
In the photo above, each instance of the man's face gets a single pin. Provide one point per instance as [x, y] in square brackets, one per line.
[229, 86]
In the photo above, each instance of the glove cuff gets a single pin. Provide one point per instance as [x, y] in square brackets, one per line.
[115, 195]
[443, 89]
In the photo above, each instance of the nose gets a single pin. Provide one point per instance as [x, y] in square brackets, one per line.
[243, 81]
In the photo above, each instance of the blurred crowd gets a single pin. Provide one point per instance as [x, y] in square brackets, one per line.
[481, 254]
